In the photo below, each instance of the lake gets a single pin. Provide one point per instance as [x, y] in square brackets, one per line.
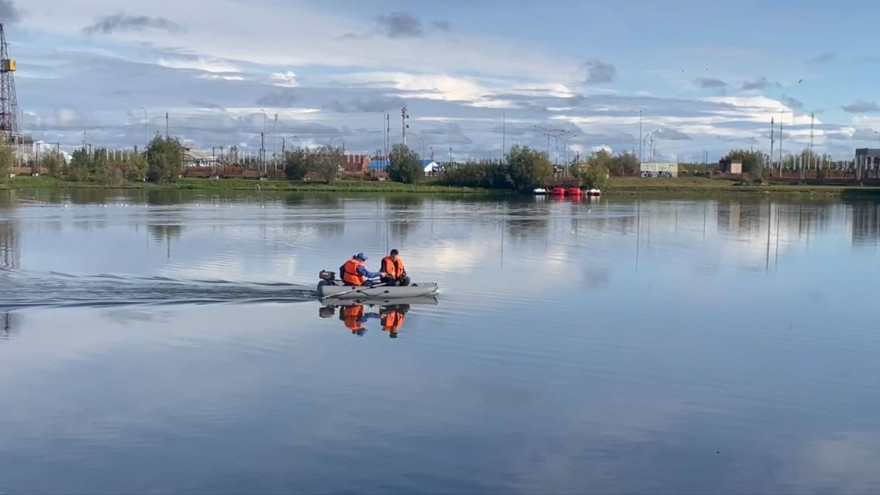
[171, 342]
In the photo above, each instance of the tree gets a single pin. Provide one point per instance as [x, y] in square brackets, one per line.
[297, 163]
[53, 162]
[232, 156]
[405, 165]
[593, 175]
[327, 161]
[136, 168]
[751, 160]
[80, 166]
[527, 168]
[7, 159]
[626, 163]
[164, 160]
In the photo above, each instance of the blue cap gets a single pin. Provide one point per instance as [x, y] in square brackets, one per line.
[361, 256]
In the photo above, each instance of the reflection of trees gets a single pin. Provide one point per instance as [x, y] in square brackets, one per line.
[527, 222]
[405, 213]
[9, 323]
[736, 216]
[865, 222]
[10, 246]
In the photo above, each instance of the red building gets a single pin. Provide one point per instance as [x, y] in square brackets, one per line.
[356, 164]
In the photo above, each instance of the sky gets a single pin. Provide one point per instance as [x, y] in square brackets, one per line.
[475, 77]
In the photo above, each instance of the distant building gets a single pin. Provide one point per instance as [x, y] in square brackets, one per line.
[431, 167]
[866, 160]
[657, 169]
[730, 166]
[356, 164]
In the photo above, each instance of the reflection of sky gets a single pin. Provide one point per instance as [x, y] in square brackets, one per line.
[621, 346]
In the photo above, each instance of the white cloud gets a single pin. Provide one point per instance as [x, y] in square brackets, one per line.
[284, 79]
[200, 64]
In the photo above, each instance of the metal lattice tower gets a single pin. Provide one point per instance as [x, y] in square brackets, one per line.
[9, 125]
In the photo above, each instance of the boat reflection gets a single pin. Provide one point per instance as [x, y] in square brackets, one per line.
[355, 314]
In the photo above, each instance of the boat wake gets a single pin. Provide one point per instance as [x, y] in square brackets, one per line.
[21, 290]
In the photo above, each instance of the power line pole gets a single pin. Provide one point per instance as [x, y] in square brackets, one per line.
[780, 147]
[275, 146]
[772, 140]
[404, 116]
[167, 126]
[387, 133]
[641, 145]
[812, 118]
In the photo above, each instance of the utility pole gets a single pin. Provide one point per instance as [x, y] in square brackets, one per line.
[772, 140]
[275, 145]
[262, 151]
[387, 133]
[404, 116]
[810, 163]
[780, 147]
[167, 126]
[384, 135]
[641, 145]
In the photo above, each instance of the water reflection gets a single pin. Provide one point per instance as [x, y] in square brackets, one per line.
[356, 315]
[9, 324]
[10, 246]
[865, 223]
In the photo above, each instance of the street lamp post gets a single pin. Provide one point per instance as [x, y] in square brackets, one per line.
[263, 141]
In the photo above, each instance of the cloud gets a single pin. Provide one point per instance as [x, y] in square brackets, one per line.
[822, 58]
[441, 25]
[600, 72]
[861, 107]
[852, 134]
[205, 104]
[759, 83]
[9, 13]
[709, 83]
[121, 22]
[366, 104]
[792, 103]
[282, 98]
[400, 25]
[672, 135]
[284, 79]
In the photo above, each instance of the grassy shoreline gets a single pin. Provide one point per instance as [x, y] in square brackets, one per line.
[249, 185]
[617, 187]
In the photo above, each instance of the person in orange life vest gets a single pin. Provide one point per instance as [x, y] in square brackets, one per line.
[355, 318]
[392, 318]
[354, 272]
[395, 273]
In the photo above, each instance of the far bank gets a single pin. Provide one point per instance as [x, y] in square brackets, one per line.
[616, 187]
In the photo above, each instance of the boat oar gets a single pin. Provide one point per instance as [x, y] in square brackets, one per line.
[354, 290]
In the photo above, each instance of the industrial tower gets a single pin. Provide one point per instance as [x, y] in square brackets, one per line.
[9, 126]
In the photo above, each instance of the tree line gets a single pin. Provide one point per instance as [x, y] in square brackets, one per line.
[162, 162]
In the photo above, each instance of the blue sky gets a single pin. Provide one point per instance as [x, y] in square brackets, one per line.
[706, 75]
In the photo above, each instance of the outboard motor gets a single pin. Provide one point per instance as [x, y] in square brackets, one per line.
[327, 278]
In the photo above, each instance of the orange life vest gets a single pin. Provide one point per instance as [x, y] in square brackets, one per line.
[350, 274]
[351, 315]
[392, 321]
[393, 269]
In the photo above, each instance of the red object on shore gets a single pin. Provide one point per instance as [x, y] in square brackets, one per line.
[558, 191]
[574, 191]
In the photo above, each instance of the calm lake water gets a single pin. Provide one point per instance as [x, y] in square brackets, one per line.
[172, 343]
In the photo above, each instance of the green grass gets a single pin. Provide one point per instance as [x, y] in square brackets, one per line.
[709, 187]
[427, 187]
